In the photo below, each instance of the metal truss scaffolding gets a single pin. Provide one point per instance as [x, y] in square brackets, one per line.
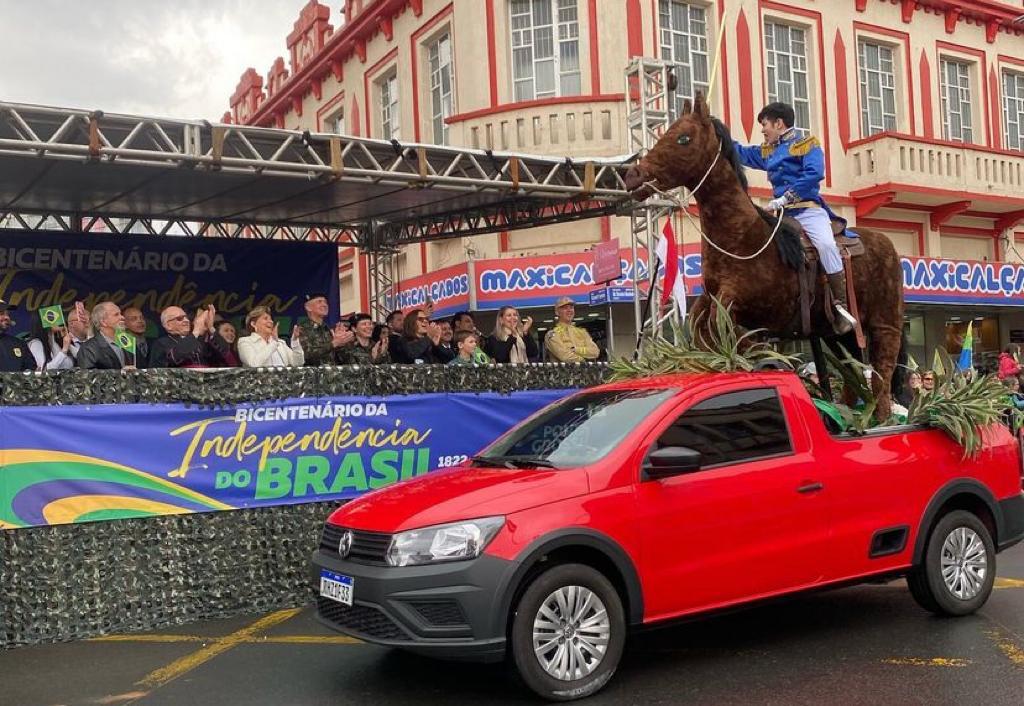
[650, 108]
[83, 170]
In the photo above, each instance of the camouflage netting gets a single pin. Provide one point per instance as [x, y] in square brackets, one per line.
[76, 581]
[233, 385]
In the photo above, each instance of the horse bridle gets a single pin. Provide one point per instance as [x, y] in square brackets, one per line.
[682, 206]
[651, 184]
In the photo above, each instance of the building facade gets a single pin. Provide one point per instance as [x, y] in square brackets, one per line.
[919, 105]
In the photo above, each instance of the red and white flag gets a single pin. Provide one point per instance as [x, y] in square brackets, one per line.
[672, 285]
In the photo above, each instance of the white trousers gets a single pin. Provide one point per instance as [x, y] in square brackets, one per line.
[819, 229]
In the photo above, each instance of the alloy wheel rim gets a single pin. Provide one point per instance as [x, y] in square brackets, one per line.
[964, 563]
[571, 632]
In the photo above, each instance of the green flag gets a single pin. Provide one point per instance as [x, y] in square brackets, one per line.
[967, 350]
[125, 341]
[51, 316]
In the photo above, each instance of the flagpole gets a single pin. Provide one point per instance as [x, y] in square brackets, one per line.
[647, 307]
[718, 56]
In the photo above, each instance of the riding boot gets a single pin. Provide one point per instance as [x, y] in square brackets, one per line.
[844, 320]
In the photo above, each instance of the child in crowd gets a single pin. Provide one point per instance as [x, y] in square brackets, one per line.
[465, 346]
[1013, 392]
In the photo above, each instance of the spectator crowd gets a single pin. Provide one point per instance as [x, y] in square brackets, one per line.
[107, 338]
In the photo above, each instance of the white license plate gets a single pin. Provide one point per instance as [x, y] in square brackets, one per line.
[336, 587]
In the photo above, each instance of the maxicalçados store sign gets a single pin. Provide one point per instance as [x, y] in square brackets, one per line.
[539, 281]
[448, 289]
[962, 281]
[61, 465]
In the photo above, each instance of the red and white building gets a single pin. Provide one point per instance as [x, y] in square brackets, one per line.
[919, 105]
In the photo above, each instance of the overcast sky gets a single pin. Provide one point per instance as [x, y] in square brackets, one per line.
[165, 58]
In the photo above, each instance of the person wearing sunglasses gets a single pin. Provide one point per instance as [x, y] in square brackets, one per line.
[928, 380]
[421, 340]
[187, 344]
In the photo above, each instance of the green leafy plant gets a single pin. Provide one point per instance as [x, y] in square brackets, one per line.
[718, 348]
[854, 376]
[961, 405]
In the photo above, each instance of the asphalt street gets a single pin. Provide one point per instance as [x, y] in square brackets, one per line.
[863, 645]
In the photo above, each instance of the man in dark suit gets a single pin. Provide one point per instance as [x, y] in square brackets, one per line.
[395, 321]
[135, 324]
[101, 352]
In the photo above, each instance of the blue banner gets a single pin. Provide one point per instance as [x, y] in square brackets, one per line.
[39, 269]
[61, 465]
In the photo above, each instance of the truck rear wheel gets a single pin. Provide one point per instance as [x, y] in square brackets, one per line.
[959, 567]
[568, 632]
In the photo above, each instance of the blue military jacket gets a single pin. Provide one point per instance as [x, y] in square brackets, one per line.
[795, 167]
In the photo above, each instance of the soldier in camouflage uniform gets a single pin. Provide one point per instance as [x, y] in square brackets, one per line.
[364, 350]
[322, 344]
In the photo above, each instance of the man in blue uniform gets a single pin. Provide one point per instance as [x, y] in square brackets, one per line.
[795, 168]
[14, 353]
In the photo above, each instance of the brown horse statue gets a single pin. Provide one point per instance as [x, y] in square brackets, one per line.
[764, 292]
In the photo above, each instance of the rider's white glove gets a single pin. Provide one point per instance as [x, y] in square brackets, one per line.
[777, 204]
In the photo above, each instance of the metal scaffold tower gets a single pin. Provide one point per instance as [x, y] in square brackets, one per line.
[650, 109]
[381, 266]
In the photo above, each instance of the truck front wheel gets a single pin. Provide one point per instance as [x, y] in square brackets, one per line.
[959, 567]
[568, 632]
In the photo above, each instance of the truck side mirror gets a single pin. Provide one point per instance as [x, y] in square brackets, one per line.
[672, 461]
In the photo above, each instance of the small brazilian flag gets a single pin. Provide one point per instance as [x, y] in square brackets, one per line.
[51, 316]
[125, 341]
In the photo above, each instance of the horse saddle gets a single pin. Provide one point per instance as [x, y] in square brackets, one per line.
[847, 245]
[812, 279]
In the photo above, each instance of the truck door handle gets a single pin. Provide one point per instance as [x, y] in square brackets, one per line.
[810, 488]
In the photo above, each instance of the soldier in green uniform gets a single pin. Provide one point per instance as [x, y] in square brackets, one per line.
[322, 344]
[364, 350]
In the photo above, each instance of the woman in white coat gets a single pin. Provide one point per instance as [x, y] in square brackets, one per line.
[263, 349]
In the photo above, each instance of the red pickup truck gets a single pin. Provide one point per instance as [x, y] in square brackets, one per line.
[650, 500]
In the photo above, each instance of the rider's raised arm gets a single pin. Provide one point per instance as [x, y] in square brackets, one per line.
[812, 168]
[752, 156]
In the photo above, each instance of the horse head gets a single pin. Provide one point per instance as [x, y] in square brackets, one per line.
[682, 156]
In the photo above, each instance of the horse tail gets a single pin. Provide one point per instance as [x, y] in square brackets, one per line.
[899, 374]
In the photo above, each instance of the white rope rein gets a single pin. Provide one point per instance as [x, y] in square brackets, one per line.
[682, 205]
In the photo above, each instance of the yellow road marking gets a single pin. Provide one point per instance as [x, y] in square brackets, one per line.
[933, 662]
[1008, 646]
[251, 640]
[1009, 583]
[310, 640]
[152, 638]
[118, 698]
[221, 645]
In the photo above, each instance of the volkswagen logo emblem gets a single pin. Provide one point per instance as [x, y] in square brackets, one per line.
[345, 543]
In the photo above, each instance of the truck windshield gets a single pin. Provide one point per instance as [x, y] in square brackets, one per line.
[576, 431]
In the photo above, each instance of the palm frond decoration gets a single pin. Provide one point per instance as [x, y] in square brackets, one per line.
[855, 377]
[963, 408]
[960, 406]
[723, 348]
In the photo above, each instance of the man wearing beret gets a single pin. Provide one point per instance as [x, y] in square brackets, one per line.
[14, 353]
[322, 344]
[567, 342]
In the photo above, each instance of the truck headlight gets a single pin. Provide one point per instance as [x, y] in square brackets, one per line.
[454, 542]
